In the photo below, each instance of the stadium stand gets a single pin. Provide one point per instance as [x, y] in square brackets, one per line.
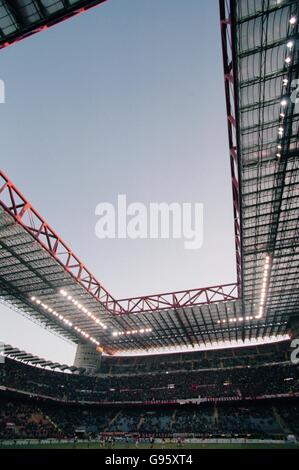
[209, 379]
[23, 418]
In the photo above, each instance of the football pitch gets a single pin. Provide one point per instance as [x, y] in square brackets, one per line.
[171, 446]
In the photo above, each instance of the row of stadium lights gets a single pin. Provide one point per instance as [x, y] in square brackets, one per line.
[82, 309]
[285, 101]
[265, 284]
[284, 104]
[263, 297]
[76, 328]
[115, 334]
[133, 332]
[64, 320]
[235, 320]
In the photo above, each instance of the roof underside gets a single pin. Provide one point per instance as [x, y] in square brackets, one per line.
[22, 18]
[18, 355]
[28, 271]
[36, 263]
[265, 68]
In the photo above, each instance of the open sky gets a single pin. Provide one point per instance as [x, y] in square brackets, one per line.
[127, 98]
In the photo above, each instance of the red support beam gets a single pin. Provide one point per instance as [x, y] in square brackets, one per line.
[44, 23]
[14, 203]
[232, 119]
[181, 299]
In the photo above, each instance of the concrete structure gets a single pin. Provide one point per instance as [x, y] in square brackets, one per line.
[88, 358]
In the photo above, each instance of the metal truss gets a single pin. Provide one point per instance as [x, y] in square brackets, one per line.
[175, 300]
[12, 200]
[261, 62]
[20, 20]
[264, 177]
[233, 124]
[14, 203]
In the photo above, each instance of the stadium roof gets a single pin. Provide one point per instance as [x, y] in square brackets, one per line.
[22, 18]
[22, 356]
[41, 276]
[261, 70]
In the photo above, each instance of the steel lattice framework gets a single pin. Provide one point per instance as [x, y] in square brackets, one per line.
[15, 204]
[22, 18]
[36, 262]
[41, 276]
[27, 358]
[261, 52]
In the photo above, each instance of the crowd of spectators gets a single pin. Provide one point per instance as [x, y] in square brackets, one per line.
[41, 419]
[23, 420]
[290, 416]
[214, 359]
[60, 404]
[230, 383]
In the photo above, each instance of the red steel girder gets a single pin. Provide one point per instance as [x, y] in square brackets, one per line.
[14, 203]
[45, 22]
[227, 25]
[181, 299]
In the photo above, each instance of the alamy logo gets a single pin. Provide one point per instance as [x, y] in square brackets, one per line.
[157, 221]
[295, 353]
